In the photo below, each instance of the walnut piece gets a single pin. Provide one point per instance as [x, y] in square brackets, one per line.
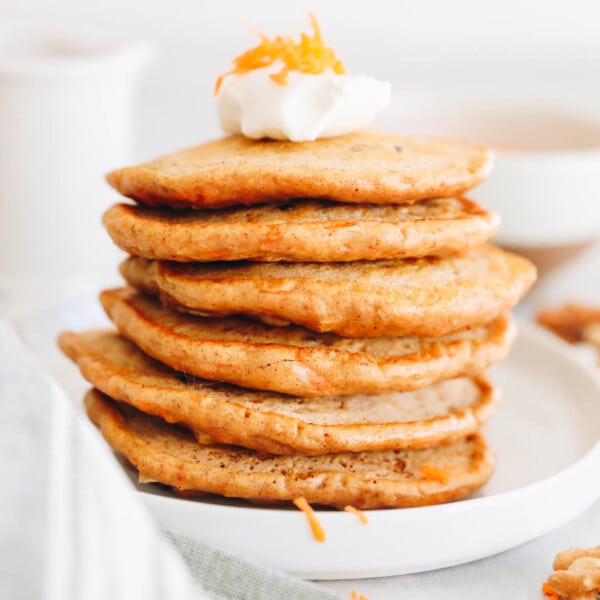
[576, 575]
[571, 321]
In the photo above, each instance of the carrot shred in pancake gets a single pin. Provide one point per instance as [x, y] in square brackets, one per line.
[359, 513]
[309, 55]
[355, 596]
[435, 473]
[548, 591]
[315, 526]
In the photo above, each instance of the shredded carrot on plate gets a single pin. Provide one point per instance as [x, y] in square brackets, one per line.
[355, 596]
[315, 526]
[359, 513]
[308, 55]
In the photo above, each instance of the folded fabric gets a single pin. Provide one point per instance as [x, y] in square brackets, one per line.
[71, 525]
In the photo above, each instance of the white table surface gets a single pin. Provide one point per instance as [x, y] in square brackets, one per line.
[515, 574]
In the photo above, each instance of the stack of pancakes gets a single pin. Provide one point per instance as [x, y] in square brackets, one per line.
[305, 319]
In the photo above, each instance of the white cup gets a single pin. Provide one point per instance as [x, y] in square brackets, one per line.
[545, 183]
[66, 104]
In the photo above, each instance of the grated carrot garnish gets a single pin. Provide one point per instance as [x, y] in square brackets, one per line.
[308, 55]
[315, 526]
[435, 473]
[355, 596]
[359, 513]
[548, 591]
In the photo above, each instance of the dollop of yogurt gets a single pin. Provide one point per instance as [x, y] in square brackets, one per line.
[307, 107]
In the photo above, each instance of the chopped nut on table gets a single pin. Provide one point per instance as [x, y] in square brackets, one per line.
[591, 334]
[571, 321]
[574, 323]
[576, 575]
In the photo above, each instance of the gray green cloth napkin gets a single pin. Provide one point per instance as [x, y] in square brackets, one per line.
[230, 577]
[73, 528]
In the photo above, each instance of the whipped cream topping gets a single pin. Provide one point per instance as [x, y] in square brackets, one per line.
[307, 107]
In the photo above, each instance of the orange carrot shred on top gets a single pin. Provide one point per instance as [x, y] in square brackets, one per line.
[355, 596]
[548, 591]
[315, 526]
[435, 473]
[308, 55]
[359, 513]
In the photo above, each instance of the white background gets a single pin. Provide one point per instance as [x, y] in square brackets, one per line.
[432, 50]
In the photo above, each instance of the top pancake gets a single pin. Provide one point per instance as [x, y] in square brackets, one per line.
[364, 166]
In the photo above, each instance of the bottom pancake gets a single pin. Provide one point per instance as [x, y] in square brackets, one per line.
[169, 454]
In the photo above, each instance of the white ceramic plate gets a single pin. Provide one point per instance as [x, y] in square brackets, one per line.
[545, 434]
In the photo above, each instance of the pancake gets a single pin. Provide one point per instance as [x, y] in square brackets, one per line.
[294, 360]
[170, 455]
[427, 297]
[302, 231]
[361, 167]
[276, 423]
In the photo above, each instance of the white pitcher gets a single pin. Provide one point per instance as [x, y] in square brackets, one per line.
[66, 108]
